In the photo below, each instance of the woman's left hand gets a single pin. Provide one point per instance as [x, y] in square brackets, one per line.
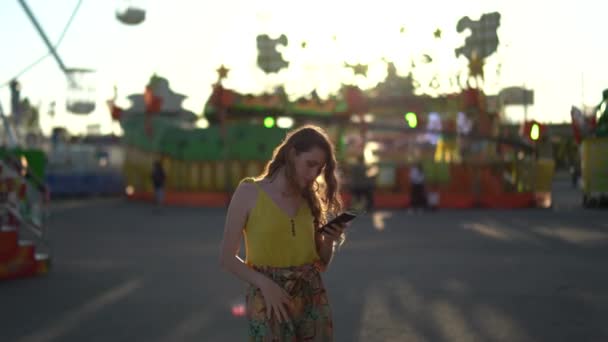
[334, 232]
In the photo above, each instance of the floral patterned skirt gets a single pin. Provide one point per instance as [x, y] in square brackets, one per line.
[309, 311]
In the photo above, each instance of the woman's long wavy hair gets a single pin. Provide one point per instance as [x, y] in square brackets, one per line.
[323, 199]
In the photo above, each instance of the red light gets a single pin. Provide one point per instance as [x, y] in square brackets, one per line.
[238, 310]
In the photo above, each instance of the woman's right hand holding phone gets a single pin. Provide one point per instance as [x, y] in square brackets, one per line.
[334, 232]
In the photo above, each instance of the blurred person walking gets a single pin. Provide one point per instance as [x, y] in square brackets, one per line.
[418, 198]
[362, 184]
[158, 181]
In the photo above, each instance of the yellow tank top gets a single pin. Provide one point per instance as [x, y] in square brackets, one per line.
[272, 238]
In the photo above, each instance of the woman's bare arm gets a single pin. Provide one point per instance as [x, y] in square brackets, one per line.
[325, 249]
[326, 243]
[236, 218]
[274, 296]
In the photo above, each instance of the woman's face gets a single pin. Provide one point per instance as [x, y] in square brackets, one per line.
[308, 166]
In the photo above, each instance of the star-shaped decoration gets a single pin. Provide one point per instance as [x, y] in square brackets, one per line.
[358, 69]
[437, 33]
[222, 72]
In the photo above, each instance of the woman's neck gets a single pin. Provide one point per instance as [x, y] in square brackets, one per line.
[279, 182]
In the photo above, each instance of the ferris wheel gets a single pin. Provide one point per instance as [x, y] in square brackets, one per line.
[80, 93]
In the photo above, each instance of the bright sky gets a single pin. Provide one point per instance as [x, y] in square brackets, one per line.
[556, 47]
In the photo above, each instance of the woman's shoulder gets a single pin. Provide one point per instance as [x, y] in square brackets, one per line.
[246, 192]
[248, 184]
[248, 180]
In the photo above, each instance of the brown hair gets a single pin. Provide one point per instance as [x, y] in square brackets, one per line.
[322, 199]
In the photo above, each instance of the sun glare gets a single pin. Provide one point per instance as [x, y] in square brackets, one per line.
[325, 41]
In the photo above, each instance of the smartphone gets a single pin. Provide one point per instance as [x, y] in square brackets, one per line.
[345, 217]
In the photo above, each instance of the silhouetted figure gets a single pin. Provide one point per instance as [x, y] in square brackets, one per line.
[158, 180]
[417, 190]
[361, 185]
[575, 172]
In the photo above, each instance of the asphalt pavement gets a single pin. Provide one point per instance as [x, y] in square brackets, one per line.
[125, 271]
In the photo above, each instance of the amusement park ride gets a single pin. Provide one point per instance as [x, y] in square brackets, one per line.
[468, 160]
[25, 249]
[456, 136]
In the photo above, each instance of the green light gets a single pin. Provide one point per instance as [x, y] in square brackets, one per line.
[268, 122]
[412, 119]
[534, 132]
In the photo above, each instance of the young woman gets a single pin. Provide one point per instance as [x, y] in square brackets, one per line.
[278, 215]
